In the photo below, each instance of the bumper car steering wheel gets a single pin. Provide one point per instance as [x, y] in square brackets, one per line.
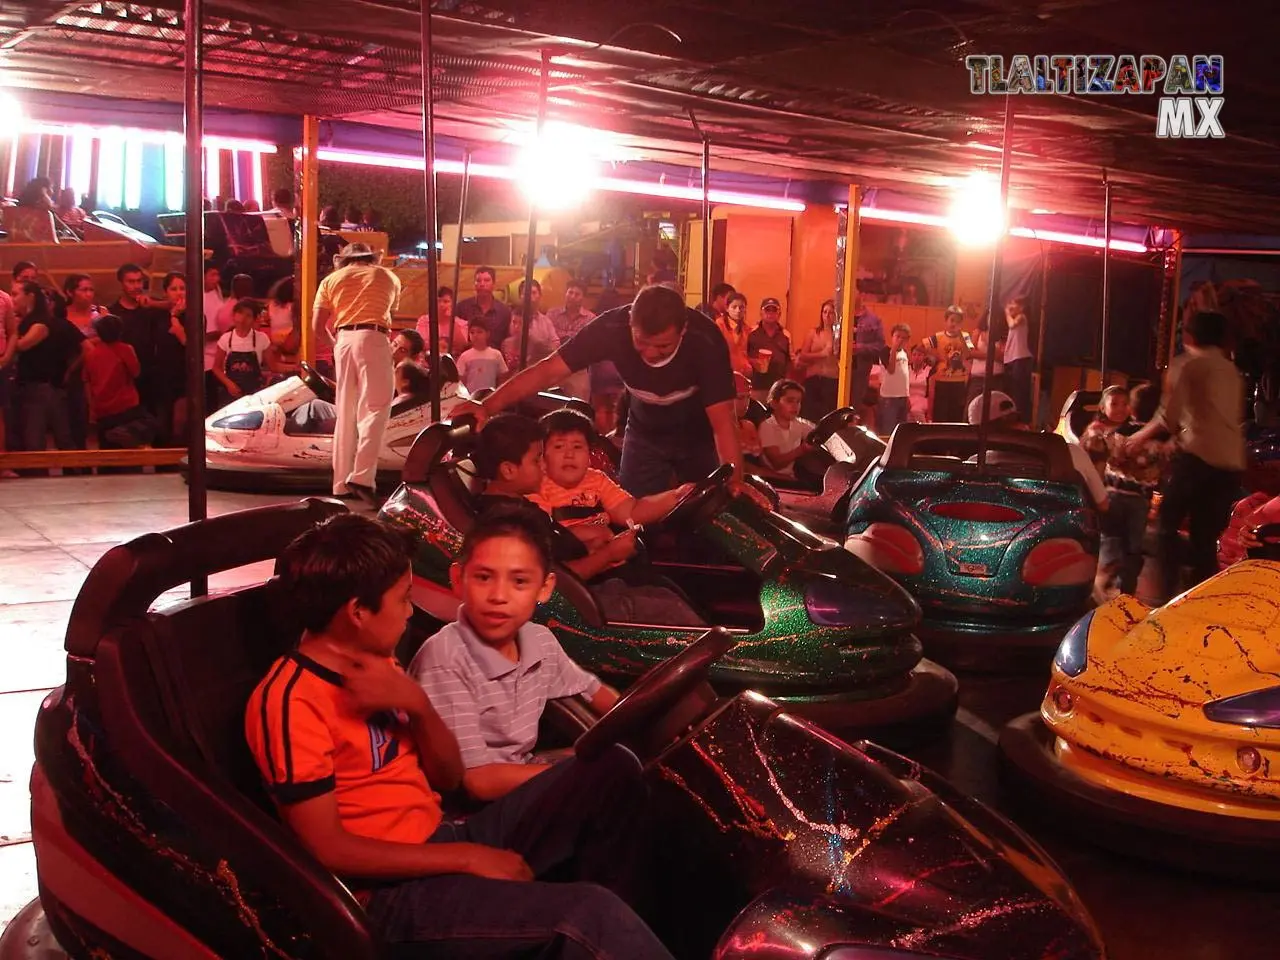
[320, 385]
[705, 499]
[652, 710]
[831, 424]
[1268, 536]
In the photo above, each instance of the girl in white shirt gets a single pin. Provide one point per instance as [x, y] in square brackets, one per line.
[782, 435]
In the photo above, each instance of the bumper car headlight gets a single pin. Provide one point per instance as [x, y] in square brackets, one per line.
[1257, 708]
[252, 420]
[1073, 652]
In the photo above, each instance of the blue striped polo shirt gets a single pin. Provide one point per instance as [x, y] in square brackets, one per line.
[491, 704]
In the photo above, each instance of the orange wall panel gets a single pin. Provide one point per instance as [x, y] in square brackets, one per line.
[813, 266]
[757, 260]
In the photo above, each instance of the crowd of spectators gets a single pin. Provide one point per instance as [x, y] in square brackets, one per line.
[83, 373]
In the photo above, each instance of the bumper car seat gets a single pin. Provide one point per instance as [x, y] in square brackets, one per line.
[171, 690]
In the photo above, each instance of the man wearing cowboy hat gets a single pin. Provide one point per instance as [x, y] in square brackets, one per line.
[353, 312]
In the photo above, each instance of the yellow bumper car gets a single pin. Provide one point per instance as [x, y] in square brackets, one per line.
[1160, 731]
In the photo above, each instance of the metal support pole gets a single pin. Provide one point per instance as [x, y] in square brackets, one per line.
[193, 127]
[532, 250]
[462, 223]
[1037, 377]
[997, 264]
[1175, 315]
[429, 198]
[1106, 279]
[848, 297]
[706, 208]
[309, 249]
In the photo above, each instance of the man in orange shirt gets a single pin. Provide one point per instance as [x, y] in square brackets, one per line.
[349, 746]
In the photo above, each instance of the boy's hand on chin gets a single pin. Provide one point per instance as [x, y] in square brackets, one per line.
[376, 683]
[495, 864]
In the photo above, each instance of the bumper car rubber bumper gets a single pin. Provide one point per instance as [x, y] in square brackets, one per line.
[921, 708]
[992, 647]
[1194, 840]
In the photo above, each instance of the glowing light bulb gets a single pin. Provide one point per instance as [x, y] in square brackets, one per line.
[11, 113]
[977, 217]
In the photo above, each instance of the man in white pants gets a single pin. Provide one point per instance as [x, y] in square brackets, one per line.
[353, 312]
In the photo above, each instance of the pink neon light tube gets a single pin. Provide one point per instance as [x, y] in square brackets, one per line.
[1052, 236]
[145, 136]
[609, 184]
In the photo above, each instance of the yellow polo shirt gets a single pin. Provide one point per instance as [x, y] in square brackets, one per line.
[359, 293]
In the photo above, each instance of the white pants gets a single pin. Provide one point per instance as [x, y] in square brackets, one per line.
[366, 385]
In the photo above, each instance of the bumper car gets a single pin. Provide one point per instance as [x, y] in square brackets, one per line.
[281, 438]
[1159, 728]
[818, 495]
[998, 557]
[818, 629]
[155, 840]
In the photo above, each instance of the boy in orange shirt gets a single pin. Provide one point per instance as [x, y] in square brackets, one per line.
[349, 747]
[582, 498]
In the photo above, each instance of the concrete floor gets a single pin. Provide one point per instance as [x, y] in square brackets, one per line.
[53, 530]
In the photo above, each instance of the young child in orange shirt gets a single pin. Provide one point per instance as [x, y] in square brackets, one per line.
[584, 499]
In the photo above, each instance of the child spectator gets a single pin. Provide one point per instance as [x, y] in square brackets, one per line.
[894, 405]
[1131, 476]
[242, 353]
[583, 499]
[782, 435]
[110, 368]
[482, 366]
[491, 673]
[509, 458]
[921, 375]
[350, 749]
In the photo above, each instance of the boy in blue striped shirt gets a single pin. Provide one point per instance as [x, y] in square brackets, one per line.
[491, 673]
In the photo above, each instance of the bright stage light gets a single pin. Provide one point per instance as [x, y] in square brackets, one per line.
[554, 175]
[977, 216]
[11, 115]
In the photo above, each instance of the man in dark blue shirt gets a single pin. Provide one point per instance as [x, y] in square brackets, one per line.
[675, 364]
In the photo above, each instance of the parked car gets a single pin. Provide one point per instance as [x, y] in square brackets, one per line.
[155, 838]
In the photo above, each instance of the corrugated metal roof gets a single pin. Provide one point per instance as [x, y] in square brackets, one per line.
[860, 90]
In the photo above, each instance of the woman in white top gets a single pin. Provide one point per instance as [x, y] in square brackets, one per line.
[978, 362]
[818, 367]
